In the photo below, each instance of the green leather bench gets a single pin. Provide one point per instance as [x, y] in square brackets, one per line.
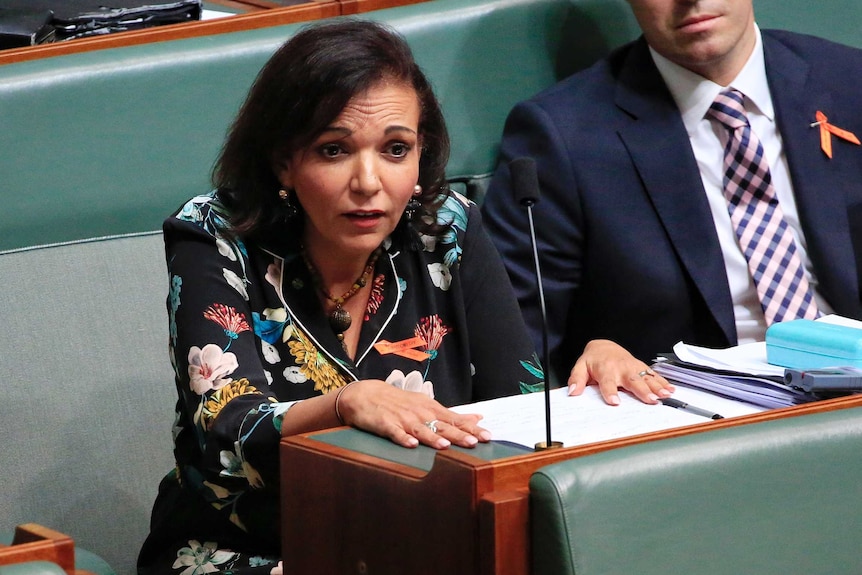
[108, 142]
[97, 148]
[775, 498]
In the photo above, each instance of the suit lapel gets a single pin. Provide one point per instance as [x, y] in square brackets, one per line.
[817, 180]
[661, 153]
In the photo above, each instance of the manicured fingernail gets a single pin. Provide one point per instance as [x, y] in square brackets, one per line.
[485, 435]
[470, 440]
[614, 399]
[652, 397]
[664, 392]
[443, 443]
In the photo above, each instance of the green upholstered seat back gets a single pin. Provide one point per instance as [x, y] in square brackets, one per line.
[88, 394]
[774, 498]
[109, 142]
[837, 20]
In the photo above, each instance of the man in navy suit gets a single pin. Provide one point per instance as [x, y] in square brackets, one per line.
[635, 240]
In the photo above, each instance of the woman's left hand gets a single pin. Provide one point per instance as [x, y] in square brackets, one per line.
[408, 418]
[611, 367]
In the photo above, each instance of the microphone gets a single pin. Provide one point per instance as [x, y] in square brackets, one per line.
[525, 185]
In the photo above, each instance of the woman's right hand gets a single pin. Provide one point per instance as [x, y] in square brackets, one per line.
[407, 418]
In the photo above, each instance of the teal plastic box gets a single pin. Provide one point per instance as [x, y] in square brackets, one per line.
[808, 344]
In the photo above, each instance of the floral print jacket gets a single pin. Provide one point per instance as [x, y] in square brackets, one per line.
[248, 337]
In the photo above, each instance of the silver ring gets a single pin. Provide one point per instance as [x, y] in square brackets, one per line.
[645, 372]
[432, 425]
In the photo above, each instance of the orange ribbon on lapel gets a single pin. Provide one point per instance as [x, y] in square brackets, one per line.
[826, 132]
[404, 348]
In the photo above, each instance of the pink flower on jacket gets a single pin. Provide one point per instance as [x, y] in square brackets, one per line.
[232, 322]
[273, 275]
[432, 330]
[209, 368]
[376, 297]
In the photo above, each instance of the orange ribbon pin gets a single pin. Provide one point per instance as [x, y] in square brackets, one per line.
[404, 348]
[826, 132]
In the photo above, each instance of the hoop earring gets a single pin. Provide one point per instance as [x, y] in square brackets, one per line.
[286, 198]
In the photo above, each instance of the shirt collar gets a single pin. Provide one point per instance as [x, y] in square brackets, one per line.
[694, 94]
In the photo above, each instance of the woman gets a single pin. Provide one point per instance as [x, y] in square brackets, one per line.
[331, 257]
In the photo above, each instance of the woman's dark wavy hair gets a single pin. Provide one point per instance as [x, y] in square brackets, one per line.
[298, 93]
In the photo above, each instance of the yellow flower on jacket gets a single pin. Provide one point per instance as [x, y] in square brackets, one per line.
[222, 396]
[314, 365]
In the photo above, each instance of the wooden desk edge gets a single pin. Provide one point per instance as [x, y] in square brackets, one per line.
[502, 468]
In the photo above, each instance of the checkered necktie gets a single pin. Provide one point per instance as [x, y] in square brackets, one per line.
[763, 234]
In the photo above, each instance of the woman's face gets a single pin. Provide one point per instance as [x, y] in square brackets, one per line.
[356, 178]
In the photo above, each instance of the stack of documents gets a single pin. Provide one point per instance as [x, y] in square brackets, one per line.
[586, 418]
[740, 372]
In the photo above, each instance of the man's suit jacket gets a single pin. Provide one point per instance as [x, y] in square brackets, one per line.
[627, 243]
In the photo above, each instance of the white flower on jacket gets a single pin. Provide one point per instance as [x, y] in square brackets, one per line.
[235, 282]
[413, 381]
[209, 368]
[429, 242]
[270, 354]
[440, 275]
[235, 465]
[198, 559]
[225, 249]
[294, 374]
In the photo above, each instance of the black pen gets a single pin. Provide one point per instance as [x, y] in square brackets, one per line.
[675, 403]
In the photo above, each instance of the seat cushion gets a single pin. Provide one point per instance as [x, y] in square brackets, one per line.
[773, 498]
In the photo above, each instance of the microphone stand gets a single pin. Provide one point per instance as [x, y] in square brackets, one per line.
[525, 184]
[548, 443]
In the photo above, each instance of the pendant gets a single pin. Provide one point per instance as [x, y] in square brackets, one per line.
[340, 320]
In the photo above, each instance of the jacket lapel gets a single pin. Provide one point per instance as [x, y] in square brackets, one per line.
[661, 153]
[817, 181]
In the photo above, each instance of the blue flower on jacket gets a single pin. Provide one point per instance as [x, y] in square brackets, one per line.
[453, 213]
[270, 326]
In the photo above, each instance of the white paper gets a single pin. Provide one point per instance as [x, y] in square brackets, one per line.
[207, 14]
[578, 420]
[841, 320]
[749, 358]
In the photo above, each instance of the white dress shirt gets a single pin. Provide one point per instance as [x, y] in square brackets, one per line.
[694, 95]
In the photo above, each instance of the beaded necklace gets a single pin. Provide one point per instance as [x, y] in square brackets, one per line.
[339, 318]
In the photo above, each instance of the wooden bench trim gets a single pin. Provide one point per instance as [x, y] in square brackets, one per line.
[262, 18]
